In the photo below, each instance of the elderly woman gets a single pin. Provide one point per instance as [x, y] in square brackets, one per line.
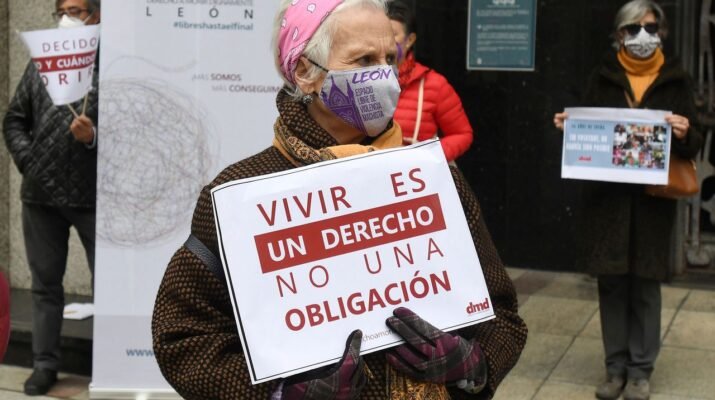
[428, 104]
[195, 336]
[626, 233]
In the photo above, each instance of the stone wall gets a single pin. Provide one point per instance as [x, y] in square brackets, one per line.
[4, 158]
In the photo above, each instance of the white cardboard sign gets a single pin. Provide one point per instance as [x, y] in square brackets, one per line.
[313, 253]
[65, 60]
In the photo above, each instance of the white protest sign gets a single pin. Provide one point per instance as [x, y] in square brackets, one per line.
[616, 145]
[65, 60]
[313, 253]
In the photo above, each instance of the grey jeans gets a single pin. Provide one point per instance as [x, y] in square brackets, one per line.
[46, 231]
[630, 322]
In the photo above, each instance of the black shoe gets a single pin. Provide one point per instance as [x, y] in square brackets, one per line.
[40, 382]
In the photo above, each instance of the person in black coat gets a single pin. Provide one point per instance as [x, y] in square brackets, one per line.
[626, 234]
[56, 154]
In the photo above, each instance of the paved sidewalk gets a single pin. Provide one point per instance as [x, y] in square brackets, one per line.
[563, 355]
[563, 358]
[68, 387]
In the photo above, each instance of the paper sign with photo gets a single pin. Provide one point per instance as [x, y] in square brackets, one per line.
[313, 253]
[616, 145]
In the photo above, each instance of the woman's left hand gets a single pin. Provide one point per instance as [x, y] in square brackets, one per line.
[680, 125]
[435, 356]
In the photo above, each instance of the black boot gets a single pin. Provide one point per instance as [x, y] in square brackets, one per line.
[40, 382]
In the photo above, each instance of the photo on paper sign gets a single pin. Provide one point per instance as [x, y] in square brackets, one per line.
[639, 146]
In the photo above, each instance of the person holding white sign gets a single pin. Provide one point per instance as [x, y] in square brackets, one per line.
[328, 52]
[625, 233]
[54, 148]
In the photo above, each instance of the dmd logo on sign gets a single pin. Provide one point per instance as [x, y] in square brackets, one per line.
[479, 307]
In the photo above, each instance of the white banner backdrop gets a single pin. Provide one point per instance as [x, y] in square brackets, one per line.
[186, 88]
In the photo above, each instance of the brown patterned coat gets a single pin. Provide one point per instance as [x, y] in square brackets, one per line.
[195, 338]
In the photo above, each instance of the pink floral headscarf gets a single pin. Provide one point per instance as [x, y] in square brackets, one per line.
[300, 22]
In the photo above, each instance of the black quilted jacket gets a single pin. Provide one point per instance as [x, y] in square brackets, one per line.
[56, 169]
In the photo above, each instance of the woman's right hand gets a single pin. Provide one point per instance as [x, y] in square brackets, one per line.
[342, 381]
[559, 120]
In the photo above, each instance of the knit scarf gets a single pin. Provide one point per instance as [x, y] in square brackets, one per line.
[300, 153]
[641, 73]
[302, 141]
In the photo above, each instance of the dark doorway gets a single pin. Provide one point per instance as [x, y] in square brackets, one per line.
[514, 163]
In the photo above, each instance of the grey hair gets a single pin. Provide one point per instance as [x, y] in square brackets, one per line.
[632, 12]
[94, 4]
[318, 48]
[91, 4]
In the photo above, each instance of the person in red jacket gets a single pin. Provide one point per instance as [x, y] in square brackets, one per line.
[428, 105]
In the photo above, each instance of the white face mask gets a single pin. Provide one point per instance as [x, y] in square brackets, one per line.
[642, 45]
[366, 98]
[71, 22]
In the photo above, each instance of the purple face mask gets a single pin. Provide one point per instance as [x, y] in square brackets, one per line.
[366, 98]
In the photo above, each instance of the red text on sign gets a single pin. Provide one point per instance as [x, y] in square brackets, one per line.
[479, 307]
[358, 303]
[65, 63]
[305, 205]
[349, 233]
[398, 181]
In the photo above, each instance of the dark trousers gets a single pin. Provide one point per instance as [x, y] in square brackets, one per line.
[630, 322]
[46, 231]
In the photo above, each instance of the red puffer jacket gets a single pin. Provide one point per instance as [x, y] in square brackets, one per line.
[441, 109]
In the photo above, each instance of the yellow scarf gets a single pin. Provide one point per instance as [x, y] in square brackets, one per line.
[400, 387]
[403, 388]
[641, 73]
[301, 154]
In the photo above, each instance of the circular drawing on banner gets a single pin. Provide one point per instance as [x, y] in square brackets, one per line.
[155, 156]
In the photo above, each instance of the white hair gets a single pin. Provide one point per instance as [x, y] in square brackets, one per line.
[318, 48]
[633, 11]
